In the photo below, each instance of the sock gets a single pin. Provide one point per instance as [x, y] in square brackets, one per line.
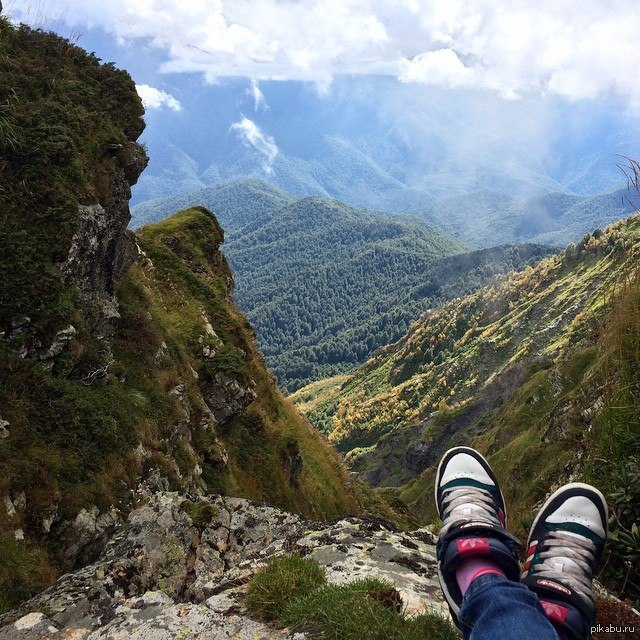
[473, 568]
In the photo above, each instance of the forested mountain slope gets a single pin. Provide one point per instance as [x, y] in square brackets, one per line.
[325, 284]
[538, 371]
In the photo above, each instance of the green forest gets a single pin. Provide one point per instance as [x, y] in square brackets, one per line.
[325, 284]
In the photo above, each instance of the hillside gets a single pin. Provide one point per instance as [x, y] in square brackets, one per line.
[123, 359]
[325, 284]
[323, 295]
[235, 203]
[486, 218]
[538, 371]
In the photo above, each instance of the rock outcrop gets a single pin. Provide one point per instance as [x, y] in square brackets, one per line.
[178, 569]
[102, 250]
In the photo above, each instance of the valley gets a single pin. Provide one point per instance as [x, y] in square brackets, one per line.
[325, 284]
[255, 370]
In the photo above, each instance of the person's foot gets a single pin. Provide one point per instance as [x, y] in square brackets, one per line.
[473, 514]
[565, 547]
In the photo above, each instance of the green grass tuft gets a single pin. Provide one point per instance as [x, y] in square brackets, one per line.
[282, 581]
[293, 591]
[201, 513]
[363, 610]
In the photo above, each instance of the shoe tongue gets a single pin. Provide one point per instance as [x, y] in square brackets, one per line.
[561, 563]
[466, 509]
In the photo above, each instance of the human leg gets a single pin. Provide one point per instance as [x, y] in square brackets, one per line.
[477, 560]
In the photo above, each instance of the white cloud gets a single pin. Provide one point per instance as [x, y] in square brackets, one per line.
[440, 67]
[153, 98]
[259, 101]
[252, 136]
[573, 48]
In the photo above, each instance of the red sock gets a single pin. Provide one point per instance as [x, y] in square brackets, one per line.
[473, 568]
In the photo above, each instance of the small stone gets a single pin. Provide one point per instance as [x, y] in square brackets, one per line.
[29, 621]
[8, 505]
[60, 340]
[20, 500]
[19, 534]
[4, 430]
[19, 322]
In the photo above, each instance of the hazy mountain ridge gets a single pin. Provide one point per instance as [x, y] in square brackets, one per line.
[481, 219]
[487, 218]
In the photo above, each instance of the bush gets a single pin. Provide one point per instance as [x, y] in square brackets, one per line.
[284, 580]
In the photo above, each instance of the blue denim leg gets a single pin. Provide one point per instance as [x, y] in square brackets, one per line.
[495, 608]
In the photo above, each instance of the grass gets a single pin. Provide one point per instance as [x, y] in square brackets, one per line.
[201, 513]
[293, 592]
[25, 569]
[281, 582]
[615, 437]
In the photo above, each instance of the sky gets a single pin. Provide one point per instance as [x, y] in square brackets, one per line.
[574, 48]
[528, 61]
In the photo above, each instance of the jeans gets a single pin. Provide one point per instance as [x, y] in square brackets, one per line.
[495, 608]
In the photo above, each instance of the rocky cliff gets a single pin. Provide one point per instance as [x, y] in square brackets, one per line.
[178, 569]
[122, 356]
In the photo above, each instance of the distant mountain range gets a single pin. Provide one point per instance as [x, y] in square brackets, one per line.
[391, 154]
[482, 219]
[487, 218]
[371, 178]
[323, 283]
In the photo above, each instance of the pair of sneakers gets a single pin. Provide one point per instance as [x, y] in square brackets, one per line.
[565, 545]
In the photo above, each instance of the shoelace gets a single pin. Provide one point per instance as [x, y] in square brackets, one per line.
[577, 573]
[482, 505]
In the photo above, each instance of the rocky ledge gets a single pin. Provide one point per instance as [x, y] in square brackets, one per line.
[178, 569]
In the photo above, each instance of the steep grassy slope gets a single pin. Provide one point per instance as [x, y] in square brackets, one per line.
[117, 367]
[539, 372]
[455, 351]
[273, 455]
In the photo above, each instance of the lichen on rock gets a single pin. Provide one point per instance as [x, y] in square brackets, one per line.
[163, 574]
